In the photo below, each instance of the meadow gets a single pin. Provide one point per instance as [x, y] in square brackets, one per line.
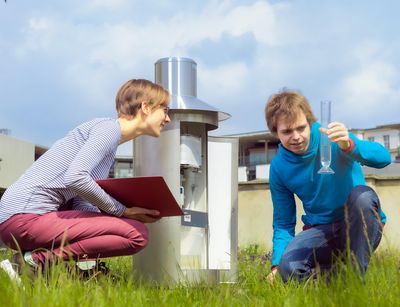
[380, 287]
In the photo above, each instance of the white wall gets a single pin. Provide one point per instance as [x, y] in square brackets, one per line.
[16, 157]
[378, 137]
[255, 212]
[242, 173]
[262, 171]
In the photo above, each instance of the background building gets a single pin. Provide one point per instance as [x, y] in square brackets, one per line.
[387, 135]
[122, 167]
[16, 156]
[256, 210]
[256, 149]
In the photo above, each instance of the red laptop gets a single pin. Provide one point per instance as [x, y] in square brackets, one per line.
[145, 192]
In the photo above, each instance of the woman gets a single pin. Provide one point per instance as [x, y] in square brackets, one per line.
[31, 216]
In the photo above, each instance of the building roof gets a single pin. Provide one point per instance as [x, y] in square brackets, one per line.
[395, 126]
[392, 170]
[255, 136]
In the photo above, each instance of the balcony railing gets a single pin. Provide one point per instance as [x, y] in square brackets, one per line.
[253, 160]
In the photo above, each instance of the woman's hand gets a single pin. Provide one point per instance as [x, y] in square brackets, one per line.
[338, 133]
[141, 214]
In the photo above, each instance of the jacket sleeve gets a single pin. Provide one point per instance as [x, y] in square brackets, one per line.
[369, 153]
[284, 216]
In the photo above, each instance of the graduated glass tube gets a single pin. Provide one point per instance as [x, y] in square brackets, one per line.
[325, 143]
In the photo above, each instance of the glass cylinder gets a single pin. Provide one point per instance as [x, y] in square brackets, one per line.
[325, 144]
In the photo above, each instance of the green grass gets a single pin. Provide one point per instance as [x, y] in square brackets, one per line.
[381, 287]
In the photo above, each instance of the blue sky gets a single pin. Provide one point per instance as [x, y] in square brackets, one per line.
[61, 62]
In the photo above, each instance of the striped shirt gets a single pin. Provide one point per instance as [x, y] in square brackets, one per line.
[67, 172]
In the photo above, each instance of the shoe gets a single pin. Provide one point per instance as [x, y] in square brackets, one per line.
[90, 268]
[22, 266]
[11, 272]
[102, 267]
[18, 261]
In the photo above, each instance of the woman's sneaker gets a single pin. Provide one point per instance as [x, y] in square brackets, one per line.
[23, 266]
[12, 272]
[89, 268]
[17, 266]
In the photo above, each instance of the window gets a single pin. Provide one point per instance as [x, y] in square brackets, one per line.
[371, 138]
[121, 168]
[257, 156]
[386, 141]
[272, 152]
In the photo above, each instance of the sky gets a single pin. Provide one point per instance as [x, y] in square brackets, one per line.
[62, 62]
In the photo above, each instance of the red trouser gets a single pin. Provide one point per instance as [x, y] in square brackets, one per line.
[73, 234]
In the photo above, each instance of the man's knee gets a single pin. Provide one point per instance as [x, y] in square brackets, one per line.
[292, 269]
[363, 198]
[285, 270]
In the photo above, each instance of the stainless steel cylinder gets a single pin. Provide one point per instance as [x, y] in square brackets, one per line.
[178, 249]
[179, 76]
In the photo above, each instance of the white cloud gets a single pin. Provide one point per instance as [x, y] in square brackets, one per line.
[371, 92]
[223, 81]
[375, 82]
[258, 19]
[39, 35]
[216, 19]
[93, 55]
[179, 32]
[90, 5]
[91, 47]
[368, 50]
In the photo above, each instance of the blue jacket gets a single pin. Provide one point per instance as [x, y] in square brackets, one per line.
[323, 196]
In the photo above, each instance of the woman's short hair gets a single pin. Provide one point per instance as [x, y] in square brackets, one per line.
[134, 92]
[287, 104]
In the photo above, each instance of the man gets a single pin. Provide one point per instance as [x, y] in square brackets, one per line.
[341, 212]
